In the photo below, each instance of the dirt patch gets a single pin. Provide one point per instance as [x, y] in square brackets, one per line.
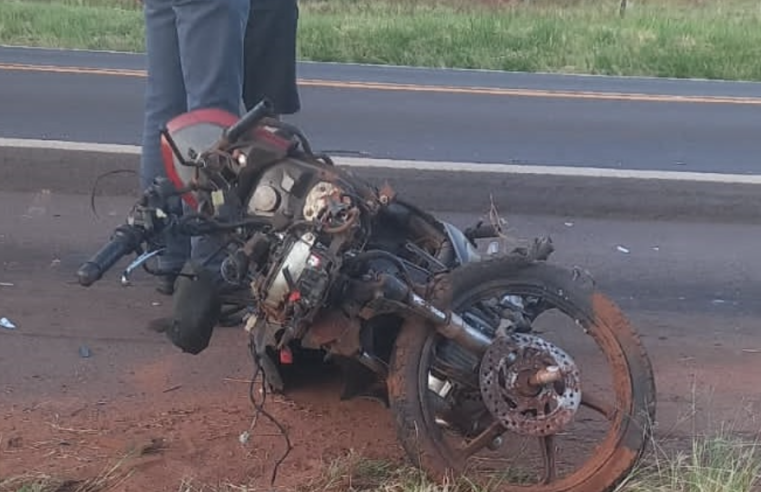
[174, 416]
[195, 435]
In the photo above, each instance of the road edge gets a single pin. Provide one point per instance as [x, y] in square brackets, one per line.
[74, 168]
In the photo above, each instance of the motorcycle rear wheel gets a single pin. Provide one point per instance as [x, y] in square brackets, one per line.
[598, 316]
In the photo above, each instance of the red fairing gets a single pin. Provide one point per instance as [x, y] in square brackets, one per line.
[197, 130]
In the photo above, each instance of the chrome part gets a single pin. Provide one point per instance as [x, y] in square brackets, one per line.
[453, 326]
[418, 301]
[136, 263]
[465, 335]
[441, 388]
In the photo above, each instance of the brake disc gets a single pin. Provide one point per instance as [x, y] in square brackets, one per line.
[530, 385]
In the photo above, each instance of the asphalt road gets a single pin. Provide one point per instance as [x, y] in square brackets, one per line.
[526, 124]
[671, 266]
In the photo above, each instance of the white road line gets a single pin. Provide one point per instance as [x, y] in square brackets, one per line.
[415, 165]
[28, 143]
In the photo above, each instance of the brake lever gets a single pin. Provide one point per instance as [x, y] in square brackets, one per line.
[137, 262]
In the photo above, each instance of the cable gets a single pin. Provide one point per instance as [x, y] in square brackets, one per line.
[261, 411]
[95, 186]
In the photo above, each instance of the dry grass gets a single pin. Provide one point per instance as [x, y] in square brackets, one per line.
[719, 463]
[109, 479]
[721, 460]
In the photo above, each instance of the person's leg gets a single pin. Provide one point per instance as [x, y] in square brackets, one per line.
[270, 55]
[211, 51]
[164, 99]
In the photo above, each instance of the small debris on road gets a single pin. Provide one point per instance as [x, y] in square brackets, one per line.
[84, 352]
[621, 249]
[7, 324]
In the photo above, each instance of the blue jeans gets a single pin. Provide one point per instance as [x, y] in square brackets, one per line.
[195, 60]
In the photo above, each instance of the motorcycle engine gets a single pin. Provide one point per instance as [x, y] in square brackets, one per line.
[301, 273]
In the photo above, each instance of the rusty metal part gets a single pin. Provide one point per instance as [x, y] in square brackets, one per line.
[547, 375]
[386, 194]
[317, 199]
[351, 218]
[335, 331]
[531, 386]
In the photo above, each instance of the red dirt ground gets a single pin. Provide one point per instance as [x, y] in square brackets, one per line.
[136, 392]
[65, 415]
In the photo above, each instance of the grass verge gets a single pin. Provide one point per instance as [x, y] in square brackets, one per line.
[718, 463]
[716, 39]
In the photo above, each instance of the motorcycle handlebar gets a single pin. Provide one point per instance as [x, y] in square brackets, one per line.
[249, 120]
[125, 239]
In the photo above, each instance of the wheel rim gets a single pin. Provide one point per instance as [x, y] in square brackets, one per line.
[622, 380]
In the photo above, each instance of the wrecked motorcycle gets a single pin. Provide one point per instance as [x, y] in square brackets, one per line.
[443, 334]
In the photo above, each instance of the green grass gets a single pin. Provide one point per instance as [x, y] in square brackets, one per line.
[717, 39]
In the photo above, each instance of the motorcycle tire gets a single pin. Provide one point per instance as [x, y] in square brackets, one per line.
[631, 371]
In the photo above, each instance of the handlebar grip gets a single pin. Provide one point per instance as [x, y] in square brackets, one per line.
[249, 120]
[125, 240]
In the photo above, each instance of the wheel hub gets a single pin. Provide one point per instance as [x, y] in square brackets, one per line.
[530, 385]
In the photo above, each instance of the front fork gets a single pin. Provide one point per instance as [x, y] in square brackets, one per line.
[390, 289]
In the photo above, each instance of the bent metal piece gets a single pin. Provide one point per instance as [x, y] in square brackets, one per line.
[136, 263]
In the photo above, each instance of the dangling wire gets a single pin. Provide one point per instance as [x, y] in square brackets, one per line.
[259, 406]
[95, 186]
